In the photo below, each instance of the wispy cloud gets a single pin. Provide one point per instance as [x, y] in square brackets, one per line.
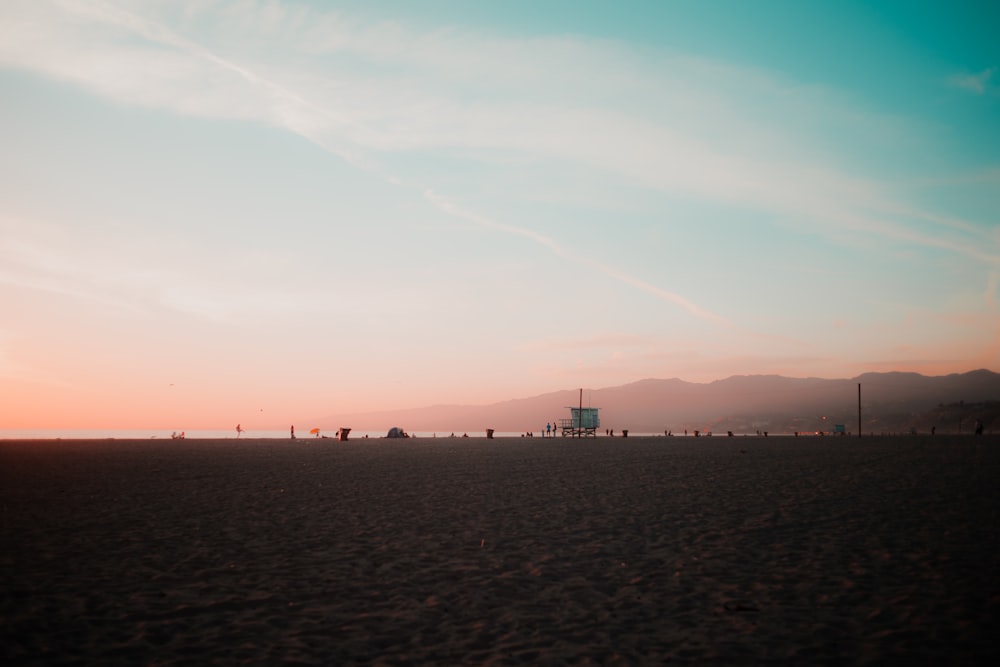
[119, 274]
[663, 294]
[367, 91]
[376, 92]
[189, 78]
[978, 83]
[95, 45]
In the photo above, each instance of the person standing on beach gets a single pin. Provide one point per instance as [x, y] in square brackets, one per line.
[239, 430]
[293, 431]
[548, 430]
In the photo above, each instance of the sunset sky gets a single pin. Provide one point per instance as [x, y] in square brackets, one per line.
[264, 212]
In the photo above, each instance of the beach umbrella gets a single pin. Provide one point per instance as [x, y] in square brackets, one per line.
[315, 431]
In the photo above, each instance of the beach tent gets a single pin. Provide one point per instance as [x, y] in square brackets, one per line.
[396, 432]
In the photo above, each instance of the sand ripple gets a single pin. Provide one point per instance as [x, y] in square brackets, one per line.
[638, 551]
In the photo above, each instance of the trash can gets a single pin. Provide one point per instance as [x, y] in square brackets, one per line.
[489, 434]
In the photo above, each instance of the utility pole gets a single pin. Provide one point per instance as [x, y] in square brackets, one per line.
[859, 409]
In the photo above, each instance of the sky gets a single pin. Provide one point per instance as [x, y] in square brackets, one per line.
[265, 212]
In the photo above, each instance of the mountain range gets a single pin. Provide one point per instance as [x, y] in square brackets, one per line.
[890, 402]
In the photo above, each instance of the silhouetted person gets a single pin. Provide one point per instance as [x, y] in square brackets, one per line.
[979, 427]
[293, 431]
[239, 430]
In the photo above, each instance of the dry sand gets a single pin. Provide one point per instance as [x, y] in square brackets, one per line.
[473, 551]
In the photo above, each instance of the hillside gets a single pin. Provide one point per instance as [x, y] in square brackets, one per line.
[890, 402]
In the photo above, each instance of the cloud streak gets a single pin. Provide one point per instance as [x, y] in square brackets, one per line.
[418, 100]
[664, 295]
[978, 83]
[291, 111]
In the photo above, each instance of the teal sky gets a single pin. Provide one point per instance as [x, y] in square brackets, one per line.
[214, 212]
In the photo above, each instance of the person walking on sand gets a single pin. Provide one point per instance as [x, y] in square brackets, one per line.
[548, 430]
[239, 431]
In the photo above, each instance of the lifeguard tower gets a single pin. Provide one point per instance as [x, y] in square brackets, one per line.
[582, 423]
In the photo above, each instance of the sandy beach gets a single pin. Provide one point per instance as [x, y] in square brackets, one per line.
[509, 551]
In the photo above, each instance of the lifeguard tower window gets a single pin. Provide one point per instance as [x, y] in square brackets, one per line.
[583, 422]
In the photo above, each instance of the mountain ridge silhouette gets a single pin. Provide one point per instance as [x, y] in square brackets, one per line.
[740, 403]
